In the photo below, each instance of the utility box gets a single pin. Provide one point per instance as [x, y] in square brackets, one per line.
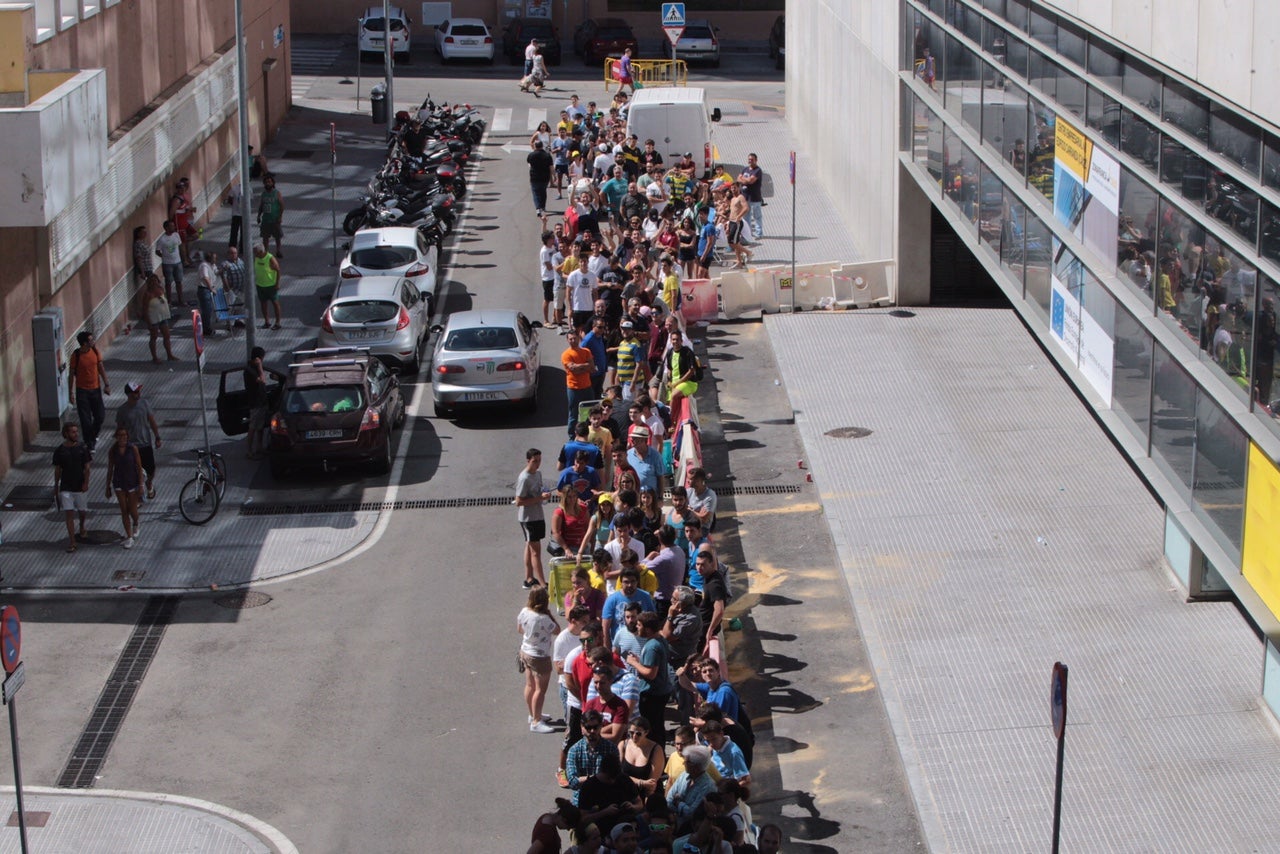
[48, 339]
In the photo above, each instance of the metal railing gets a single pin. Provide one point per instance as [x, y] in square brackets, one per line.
[649, 72]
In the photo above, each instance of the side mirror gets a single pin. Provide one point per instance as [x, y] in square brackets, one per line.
[715, 114]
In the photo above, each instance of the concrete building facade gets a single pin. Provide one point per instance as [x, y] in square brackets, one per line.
[1113, 170]
[104, 104]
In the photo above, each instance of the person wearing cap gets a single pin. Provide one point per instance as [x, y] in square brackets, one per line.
[646, 461]
[602, 165]
[136, 416]
[624, 840]
[687, 166]
[633, 369]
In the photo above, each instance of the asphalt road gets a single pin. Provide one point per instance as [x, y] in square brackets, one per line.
[375, 706]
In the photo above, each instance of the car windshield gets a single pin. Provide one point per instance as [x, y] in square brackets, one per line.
[696, 33]
[540, 31]
[377, 25]
[613, 33]
[481, 338]
[340, 398]
[469, 30]
[383, 257]
[363, 311]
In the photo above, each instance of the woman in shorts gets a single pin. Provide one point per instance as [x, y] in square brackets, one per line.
[538, 630]
[124, 477]
[158, 316]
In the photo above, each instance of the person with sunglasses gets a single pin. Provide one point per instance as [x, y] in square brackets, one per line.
[642, 758]
[583, 760]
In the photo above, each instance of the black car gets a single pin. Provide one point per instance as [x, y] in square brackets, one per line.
[597, 38]
[233, 399]
[778, 42]
[337, 405]
[515, 38]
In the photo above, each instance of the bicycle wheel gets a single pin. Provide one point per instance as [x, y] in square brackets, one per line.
[198, 501]
[219, 468]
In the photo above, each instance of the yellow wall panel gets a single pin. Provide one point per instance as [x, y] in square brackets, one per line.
[1261, 563]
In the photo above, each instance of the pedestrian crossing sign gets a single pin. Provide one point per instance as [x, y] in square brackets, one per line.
[673, 14]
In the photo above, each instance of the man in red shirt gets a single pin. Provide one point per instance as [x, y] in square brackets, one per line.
[578, 366]
[612, 708]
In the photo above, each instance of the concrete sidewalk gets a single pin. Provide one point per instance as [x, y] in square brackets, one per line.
[65, 821]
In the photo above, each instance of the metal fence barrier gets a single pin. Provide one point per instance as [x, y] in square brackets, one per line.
[648, 72]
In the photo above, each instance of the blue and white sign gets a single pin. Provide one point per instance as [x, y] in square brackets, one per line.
[673, 14]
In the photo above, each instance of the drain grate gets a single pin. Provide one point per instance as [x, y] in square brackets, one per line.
[90, 751]
[766, 489]
[848, 433]
[128, 575]
[30, 496]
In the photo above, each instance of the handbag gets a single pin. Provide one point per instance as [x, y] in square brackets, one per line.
[519, 663]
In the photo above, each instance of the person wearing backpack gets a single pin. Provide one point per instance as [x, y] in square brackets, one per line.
[683, 371]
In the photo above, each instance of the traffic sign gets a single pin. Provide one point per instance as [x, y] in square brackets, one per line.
[793, 168]
[673, 14]
[1058, 699]
[10, 638]
[674, 33]
[197, 330]
[13, 682]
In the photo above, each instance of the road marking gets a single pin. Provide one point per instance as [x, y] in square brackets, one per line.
[536, 117]
[501, 119]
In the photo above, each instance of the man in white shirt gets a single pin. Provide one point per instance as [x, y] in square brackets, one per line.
[604, 162]
[547, 273]
[582, 294]
[169, 248]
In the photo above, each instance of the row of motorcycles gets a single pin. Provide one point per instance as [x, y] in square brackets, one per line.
[423, 178]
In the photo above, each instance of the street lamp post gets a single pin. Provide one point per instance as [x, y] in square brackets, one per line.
[388, 57]
[246, 192]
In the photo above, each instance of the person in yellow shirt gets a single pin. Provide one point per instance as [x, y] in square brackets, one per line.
[670, 284]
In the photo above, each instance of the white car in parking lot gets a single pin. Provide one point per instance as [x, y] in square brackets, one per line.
[373, 33]
[464, 38]
[392, 251]
[485, 357]
[385, 314]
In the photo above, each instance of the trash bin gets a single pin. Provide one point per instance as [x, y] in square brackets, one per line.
[378, 100]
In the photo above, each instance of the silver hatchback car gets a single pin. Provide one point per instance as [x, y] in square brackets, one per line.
[485, 357]
[385, 314]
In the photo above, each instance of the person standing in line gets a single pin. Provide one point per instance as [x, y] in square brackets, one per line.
[124, 476]
[547, 273]
[232, 273]
[136, 416]
[540, 164]
[266, 276]
[530, 496]
[182, 211]
[159, 316]
[89, 383]
[270, 213]
[578, 367]
[71, 462]
[255, 386]
[142, 263]
[582, 295]
[233, 199]
[169, 248]
[208, 274]
[751, 180]
[538, 630]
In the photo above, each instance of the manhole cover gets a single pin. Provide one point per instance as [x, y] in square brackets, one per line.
[99, 538]
[901, 312]
[128, 575]
[244, 599]
[848, 433]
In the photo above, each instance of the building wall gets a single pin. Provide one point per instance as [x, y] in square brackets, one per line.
[150, 49]
[841, 101]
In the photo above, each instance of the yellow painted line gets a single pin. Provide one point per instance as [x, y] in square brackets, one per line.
[807, 507]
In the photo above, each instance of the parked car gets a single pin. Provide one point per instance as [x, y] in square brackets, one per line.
[485, 357]
[778, 42]
[463, 38]
[698, 43]
[338, 405]
[518, 33]
[373, 29]
[392, 251]
[597, 38]
[385, 314]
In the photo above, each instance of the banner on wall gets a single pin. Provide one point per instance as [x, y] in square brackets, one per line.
[1086, 189]
[1086, 342]
[537, 9]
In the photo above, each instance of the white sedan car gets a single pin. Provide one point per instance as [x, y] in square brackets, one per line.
[392, 251]
[385, 314]
[485, 357]
[373, 32]
[464, 38]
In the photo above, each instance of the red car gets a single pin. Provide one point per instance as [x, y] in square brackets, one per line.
[596, 39]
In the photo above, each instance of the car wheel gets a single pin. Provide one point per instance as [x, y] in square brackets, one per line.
[278, 468]
[715, 63]
[382, 465]
[531, 405]
[403, 415]
[490, 62]
[441, 411]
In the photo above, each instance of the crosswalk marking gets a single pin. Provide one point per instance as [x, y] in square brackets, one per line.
[501, 120]
[536, 117]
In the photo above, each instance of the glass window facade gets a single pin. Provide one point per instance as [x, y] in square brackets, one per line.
[1194, 207]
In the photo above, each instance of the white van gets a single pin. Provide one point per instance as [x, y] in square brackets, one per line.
[677, 119]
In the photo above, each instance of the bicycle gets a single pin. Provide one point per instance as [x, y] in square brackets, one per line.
[201, 496]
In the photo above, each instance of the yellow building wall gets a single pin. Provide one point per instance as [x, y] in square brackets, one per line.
[1261, 558]
[41, 83]
[16, 27]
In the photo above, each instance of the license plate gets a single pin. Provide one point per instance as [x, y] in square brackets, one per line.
[323, 434]
[478, 396]
[364, 334]
[470, 41]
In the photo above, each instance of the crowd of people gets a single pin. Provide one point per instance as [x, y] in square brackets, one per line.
[656, 745]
